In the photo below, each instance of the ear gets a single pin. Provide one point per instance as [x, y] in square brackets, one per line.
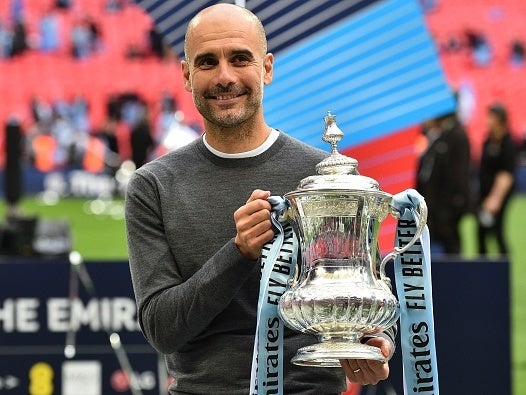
[268, 65]
[185, 67]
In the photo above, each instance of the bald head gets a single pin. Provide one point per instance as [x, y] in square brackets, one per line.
[226, 67]
[224, 16]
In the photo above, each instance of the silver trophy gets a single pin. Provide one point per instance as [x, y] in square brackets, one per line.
[340, 292]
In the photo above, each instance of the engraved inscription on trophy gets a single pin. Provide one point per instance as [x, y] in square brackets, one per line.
[336, 207]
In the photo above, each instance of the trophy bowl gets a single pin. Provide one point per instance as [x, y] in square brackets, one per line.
[340, 292]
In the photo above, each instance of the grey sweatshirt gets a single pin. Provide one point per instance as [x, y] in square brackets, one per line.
[196, 294]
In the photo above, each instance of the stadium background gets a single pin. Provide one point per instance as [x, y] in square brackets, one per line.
[96, 220]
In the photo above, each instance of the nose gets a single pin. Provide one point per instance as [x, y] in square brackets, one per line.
[225, 74]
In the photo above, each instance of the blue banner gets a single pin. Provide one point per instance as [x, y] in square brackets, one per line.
[377, 69]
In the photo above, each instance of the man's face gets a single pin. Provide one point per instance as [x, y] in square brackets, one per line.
[226, 69]
[492, 121]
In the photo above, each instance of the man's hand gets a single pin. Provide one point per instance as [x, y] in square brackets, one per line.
[365, 372]
[253, 225]
[492, 205]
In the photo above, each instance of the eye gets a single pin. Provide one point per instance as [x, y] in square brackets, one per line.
[206, 63]
[241, 60]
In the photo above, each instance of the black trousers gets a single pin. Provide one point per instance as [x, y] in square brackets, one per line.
[444, 230]
[497, 229]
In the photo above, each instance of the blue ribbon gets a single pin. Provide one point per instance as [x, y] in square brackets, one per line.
[278, 262]
[414, 288]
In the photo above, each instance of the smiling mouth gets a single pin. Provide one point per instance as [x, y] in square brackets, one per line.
[225, 97]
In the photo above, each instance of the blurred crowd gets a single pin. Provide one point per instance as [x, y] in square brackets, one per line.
[477, 44]
[84, 36]
[14, 39]
[61, 136]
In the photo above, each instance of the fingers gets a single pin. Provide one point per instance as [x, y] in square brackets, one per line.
[385, 346]
[258, 194]
[352, 370]
[362, 371]
[253, 225]
[365, 372]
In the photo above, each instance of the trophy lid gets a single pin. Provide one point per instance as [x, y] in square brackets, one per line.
[337, 171]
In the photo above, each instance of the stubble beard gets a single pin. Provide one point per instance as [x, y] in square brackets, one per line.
[229, 120]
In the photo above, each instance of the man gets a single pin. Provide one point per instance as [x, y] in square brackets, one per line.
[13, 165]
[194, 238]
[443, 179]
[496, 178]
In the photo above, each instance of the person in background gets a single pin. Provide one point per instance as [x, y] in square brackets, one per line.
[6, 40]
[478, 43]
[49, 28]
[13, 188]
[496, 178]
[19, 44]
[517, 53]
[443, 179]
[141, 139]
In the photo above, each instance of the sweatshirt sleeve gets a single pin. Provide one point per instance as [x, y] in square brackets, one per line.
[173, 312]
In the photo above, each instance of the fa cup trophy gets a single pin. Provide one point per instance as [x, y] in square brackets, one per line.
[340, 291]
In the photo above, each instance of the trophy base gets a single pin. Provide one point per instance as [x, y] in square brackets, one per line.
[328, 354]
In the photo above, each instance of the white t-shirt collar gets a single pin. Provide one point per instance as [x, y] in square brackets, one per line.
[271, 139]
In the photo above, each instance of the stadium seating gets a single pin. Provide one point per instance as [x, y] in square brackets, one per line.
[58, 75]
[501, 23]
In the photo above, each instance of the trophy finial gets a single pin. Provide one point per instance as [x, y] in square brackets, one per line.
[332, 133]
[336, 163]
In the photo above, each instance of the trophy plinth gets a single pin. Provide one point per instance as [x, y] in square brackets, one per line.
[341, 292]
[328, 353]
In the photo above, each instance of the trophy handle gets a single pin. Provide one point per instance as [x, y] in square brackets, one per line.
[288, 215]
[420, 215]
